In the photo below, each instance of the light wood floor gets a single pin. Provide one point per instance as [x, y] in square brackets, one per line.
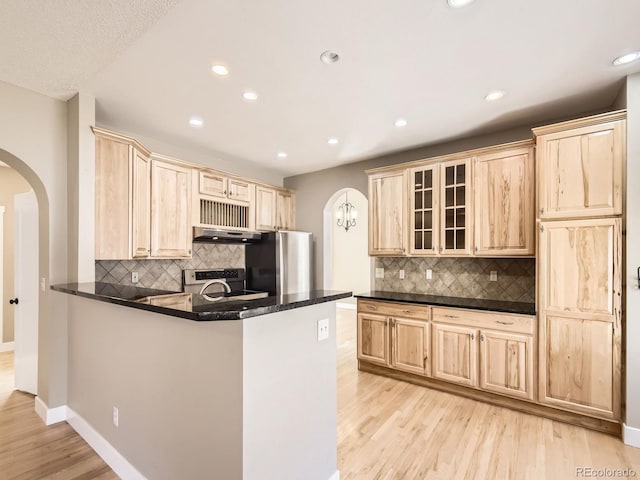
[29, 450]
[394, 430]
[386, 430]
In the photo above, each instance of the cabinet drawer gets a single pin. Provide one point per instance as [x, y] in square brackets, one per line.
[405, 310]
[492, 320]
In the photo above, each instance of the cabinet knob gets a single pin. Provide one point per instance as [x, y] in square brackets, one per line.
[14, 301]
[542, 211]
[481, 338]
[473, 337]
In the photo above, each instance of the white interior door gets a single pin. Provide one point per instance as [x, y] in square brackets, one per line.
[26, 291]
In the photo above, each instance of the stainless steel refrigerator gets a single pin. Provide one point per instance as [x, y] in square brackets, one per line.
[280, 264]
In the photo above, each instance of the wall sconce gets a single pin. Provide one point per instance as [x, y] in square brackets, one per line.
[346, 214]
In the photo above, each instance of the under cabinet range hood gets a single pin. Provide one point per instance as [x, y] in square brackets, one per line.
[215, 235]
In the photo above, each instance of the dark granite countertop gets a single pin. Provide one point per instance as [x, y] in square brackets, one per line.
[458, 302]
[140, 298]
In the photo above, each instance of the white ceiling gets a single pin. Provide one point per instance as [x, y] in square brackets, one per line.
[420, 60]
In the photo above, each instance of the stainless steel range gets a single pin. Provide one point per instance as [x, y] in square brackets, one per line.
[218, 285]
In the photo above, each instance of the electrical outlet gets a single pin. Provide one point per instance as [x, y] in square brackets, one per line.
[379, 272]
[116, 414]
[323, 329]
[493, 276]
[134, 277]
[429, 274]
[401, 274]
[43, 284]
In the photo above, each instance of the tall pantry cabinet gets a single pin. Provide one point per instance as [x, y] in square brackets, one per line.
[580, 190]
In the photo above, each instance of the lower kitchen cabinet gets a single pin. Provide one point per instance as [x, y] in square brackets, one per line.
[410, 345]
[455, 354]
[373, 338]
[396, 335]
[506, 363]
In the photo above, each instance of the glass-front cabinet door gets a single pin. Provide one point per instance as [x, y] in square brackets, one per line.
[455, 178]
[424, 214]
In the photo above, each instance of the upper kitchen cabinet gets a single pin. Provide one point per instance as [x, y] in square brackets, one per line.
[440, 208]
[275, 208]
[285, 210]
[387, 213]
[221, 200]
[580, 166]
[455, 207]
[170, 208]
[424, 210]
[504, 202]
[216, 185]
[122, 197]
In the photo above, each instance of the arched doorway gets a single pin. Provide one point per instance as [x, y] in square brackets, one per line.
[22, 179]
[347, 265]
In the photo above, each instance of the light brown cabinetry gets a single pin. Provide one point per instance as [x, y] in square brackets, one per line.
[580, 318]
[455, 207]
[170, 209]
[397, 335]
[424, 210]
[489, 350]
[580, 167]
[387, 213]
[504, 203]
[285, 210]
[122, 197]
[217, 185]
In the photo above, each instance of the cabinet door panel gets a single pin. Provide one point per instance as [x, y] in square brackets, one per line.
[455, 354]
[214, 185]
[581, 171]
[265, 208]
[579, 265]
[285, 211]
[238, 190]
[141, 204]
[579, 365]
[455, 207]
[170, 210]
[373, 338]
[410, 343]
[504, 184]
[506, 363]
[424, 214]
[386, 214]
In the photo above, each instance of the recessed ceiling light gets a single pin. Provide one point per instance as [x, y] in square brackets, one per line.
[332, 141]
[495, 95]
[459, 3]
[196, 122]
[282, 154]
[249, 95]
[220, 70]
[628, 58]
[401, 122]
[329, 57]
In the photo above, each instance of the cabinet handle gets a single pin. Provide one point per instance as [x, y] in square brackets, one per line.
[542, 228]
[372, 307]
[407, 311]
[473, 337]
[542, 211]
[386, 322]
[476, 249]
[452, 316]
[481, 338]
[504, 323]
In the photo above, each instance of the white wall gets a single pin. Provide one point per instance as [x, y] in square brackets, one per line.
[33, 141]
[632, 292]
[350, 262]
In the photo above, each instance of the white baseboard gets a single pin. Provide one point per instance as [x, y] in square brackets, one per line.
[6, 347]
[103, 448]
[631, 435]
[335, 476]
[346, 306]
[50, 415]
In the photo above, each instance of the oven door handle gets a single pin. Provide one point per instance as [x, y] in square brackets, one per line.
[226, 286]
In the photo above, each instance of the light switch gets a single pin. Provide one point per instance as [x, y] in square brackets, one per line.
[493, 276]
[401, 274]
[429, 274]
[379, 272]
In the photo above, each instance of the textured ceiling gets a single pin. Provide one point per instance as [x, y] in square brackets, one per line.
[53, 46]
[417, 59]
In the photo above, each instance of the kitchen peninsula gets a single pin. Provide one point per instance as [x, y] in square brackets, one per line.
[230, 398]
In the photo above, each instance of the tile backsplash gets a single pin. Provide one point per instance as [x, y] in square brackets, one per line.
[460, 277]
[167, 274]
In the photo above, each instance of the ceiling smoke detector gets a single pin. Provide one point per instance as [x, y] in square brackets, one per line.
[329, 57]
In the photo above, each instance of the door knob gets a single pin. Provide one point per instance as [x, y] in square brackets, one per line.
[13, 301]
